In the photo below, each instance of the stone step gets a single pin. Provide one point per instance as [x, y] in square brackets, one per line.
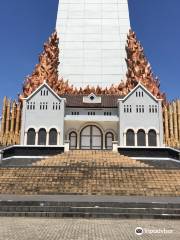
[91, 212]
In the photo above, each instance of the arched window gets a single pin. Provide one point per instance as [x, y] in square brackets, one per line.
[152, 138]
[109, 139]
[42, 137]
[31, 136]
[141, 138]
[130, 138]
[53, 137]
[73, 140]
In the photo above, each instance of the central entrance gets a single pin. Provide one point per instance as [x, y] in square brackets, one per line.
[91, 138]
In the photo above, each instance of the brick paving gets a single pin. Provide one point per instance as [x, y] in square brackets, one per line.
[85, 229]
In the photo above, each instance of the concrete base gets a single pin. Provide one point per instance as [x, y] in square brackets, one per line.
[90, 206]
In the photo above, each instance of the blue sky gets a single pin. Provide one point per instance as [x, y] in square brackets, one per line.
[26, 24]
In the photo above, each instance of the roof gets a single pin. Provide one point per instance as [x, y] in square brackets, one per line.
[44, 84]
[107, 101]
[144, 88]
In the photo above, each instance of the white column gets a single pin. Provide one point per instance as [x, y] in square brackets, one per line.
[78, 140]
[158, 139]
[76, 46]
[58, 138]
[104, 143]
[124, 139]
[135, 136]
[115, 146]
[47, 138]
[36, 139]
[25, 138]
[1, 156]
[147, 144]
[66, 146]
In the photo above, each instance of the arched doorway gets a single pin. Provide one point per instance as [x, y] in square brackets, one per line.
[130, 138]
[73, 140]
[31, 136]
[42, 137]
[152, 138]
[141, 138]
[91, 138]
[53, 137]
[109, 138]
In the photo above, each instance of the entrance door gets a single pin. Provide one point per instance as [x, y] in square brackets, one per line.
[91, 138]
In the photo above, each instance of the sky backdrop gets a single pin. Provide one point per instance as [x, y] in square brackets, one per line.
[26, 24]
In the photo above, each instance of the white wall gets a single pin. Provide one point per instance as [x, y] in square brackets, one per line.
[77, 126]
[144, 120]
[43, 118]
[93, 36]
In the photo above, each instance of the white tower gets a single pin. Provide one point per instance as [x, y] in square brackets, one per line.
[93, 36]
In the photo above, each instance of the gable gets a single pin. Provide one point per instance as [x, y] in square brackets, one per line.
[140, 94]
[44, 92]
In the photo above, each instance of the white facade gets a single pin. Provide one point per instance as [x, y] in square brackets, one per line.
[140, 110]
[93, 36]
[43, 109]
[92, 123]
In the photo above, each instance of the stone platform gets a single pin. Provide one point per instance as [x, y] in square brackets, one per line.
[89, 206]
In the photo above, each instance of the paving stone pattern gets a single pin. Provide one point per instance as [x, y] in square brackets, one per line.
[84, 229]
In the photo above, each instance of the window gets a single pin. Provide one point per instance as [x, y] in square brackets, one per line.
[139, 94]
[91, 113]
[141, 138]
[56, 106]
[42, 137]
[53, 137]
[92, 98]
[140, 108]
[152, 138]
[74, 113]
[107, 114]
[30, 105]
[153, 108]
[109, 138]
[43, 105]
[130, 138]
[31, 136]
[156, 109]
[127, 108]
[73, 140]
[44, 92]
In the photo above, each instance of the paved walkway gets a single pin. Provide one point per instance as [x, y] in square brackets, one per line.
[84, 229]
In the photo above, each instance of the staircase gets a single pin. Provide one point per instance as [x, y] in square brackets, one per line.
[94, 207]
[90, 173]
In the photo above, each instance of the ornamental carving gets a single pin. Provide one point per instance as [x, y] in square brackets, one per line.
[139, 70]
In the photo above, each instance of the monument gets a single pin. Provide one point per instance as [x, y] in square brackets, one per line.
[93, 37]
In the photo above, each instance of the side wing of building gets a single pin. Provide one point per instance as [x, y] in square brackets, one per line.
[140, 117]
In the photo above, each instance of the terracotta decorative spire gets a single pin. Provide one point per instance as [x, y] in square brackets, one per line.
[46, 69]
[139, 69]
